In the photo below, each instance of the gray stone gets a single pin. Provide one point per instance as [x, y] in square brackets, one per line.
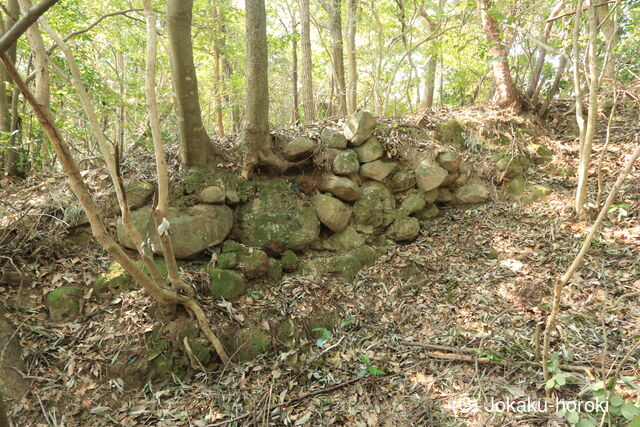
[377, 170]
[431, 196]
[232, 197]
[341, 187]
[278, 220]
[255, 265]
[227, 284]
[429, 212]
[472, 193]
[346, 163]
[138, 194]
[192, 229]
[333, 138]
[345, 240]
[359, 127]
[332, 212]
[404, 229]
[299, 148]
[412, 203]
[369, 151]
[375, 210]
[401, 180]
[444, 195]
[449, 160]
[429, 175]
[213, 195]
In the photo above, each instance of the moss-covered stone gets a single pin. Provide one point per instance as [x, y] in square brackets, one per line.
[248, 343]
[542, 153]
[113, 281]
[160, 263]
[429, 212]
[227, 284]
[516, 186]
[289, 261]
[347, 266]
[231, 246]
[275, 270]
[510, 166]
[451, 133]
[346, 240]
[256, 265]
[375, 210]
[404, 229]
[278, 219]
[196, 179]
[229, 260]
[64, 303]
[320, 320]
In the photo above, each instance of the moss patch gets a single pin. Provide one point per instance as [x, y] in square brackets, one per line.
[64, 303]
[247, 344]
[450, 132]
[227, 284]
[113, 281]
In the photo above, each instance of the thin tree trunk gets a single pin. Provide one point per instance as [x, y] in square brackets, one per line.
[194, 141]
[119, 127]
[507, 93]
[592, 114]
[352, 81]
[542, 53]
[295, 116]
[562, 65]
[12, 156]
[306, 69]
[217, 75]
[337, 52]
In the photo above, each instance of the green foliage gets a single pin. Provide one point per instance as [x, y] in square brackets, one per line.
[370, 368]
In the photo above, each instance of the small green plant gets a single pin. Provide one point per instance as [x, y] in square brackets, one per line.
[325, 335]
[558, 378]
[370, 368]
[620, 210]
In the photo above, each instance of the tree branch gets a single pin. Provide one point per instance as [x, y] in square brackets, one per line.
[32, 15]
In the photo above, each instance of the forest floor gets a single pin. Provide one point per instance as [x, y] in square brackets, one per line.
[440, 327]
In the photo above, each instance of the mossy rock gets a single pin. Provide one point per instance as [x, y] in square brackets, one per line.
[255, 265]
[278, 219]
[289, 261]
[510, 166]
[275, 270]
[231, 246]
[64, 303]
[451, 133]
[535, 192]
[375, 210]
[431, 211]
[348, 265]
[112, 282]
[543, 154]
[516, 186]
[247, 344]
[197, 179]
[228, 260]
[227, 284]
[346, 240]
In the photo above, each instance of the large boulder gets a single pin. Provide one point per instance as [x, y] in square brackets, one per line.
[138, 194]
[449, 160]
[404, 229]
[472, 193]
[192, 229]
[341, 187]
[333, 138]
[332, 212]
[346, 163]
[369, 151]
[375, 210]
[451, 133]
[412, 203]
[429, 175]
[299, 148]
[377, 170]
[277, 220]
[359, 127]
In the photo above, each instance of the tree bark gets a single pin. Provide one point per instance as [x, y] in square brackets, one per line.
[295, 115]
[592, 113]
[256, 137]
[6, 116]
[352, 81]
[542, 53]
[506, 91]
[333, 8]
[194, 141]
[306, 64]
[217, 74]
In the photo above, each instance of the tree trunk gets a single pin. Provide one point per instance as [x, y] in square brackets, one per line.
[256, 138]
[194, 141]
[6, 118]
[307, 69]
[542, 53]
[217, 73]
[554, 87]
[506, 91]
[592, 114]
[295, 116]
[352, 82]
[607, 21]
[119, 128]
[337, 52]
[430, 72]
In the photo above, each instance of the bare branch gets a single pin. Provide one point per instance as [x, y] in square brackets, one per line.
[32, 15]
